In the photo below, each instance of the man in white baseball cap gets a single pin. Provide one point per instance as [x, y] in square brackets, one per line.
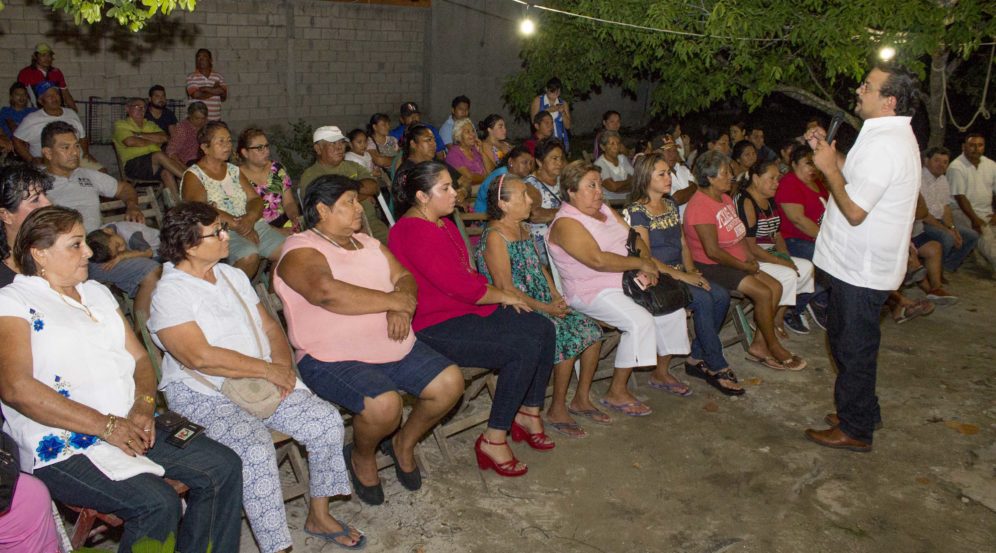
[330, 159]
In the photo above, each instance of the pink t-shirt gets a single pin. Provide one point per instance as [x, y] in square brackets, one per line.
[437, 257]
[331, 337]
[791, 190]
[581, 282]
[730, 230]
[456, 158]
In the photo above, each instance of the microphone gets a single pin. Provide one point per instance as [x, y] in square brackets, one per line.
[835, 123]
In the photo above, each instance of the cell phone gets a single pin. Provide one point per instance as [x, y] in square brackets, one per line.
[642, 281]
[183, 434]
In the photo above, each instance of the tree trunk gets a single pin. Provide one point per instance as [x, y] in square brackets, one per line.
[810, 99]
[935, 98]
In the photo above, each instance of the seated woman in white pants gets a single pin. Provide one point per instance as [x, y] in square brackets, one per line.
[756, 208]
[588, 247]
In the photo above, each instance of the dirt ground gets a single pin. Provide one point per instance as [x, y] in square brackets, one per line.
[710, 474]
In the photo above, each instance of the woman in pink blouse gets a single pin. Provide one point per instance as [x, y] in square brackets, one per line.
[715, 236]
[349, 306]
[465, 154]
[471, 322]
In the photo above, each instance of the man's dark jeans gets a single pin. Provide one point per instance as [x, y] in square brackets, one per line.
[854, 335]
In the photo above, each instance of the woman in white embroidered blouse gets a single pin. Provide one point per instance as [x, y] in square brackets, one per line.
[208, 318]
[79, 400]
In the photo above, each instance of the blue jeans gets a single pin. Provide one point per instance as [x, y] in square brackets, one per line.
[709, 309]
[519, 345]
[953, 257]
[150, 507]
[806, 249]
[854, 335]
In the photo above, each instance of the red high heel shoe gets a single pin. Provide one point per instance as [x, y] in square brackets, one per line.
[539, 441]
[508, 468]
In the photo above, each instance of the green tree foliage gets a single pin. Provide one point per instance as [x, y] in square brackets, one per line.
[133, 14]
[812, 50]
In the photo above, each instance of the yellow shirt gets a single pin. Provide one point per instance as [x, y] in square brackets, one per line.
[127, 127]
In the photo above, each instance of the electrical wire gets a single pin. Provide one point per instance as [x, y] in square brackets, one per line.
[642, 27]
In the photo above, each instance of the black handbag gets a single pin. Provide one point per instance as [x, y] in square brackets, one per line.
[667, 296]
[10, 470]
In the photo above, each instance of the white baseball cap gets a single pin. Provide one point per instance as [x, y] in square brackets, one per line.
[328, 134]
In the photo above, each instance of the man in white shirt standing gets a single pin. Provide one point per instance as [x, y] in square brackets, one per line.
[863, 243]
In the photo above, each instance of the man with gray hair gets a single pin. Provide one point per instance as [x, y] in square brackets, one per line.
[138, 143]
[183, 146]
[330, 159]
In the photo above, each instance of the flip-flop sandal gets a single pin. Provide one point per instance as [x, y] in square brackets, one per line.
[769, 362]
[594, 415]
[569, 429]
[632, 409]
[795, 363]
[679, 389]
[905, 313]
[713, 380]
[344, 533]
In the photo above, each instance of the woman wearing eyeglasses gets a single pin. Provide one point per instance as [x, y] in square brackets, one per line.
[215, 181]
[270, 181]
[208, 319]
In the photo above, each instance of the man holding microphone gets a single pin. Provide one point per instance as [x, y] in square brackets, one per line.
[863, 243]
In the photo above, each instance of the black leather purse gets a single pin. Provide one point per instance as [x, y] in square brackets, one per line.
[667, 296]
[10, 470]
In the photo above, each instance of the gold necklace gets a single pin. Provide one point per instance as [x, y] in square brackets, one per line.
[352, 241]
[439, 222]
[80, 306]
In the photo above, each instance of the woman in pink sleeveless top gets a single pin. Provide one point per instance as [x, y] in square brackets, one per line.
[588, 247]
[349, 307]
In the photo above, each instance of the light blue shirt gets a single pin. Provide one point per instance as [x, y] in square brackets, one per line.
[481, 204]
[446, 131]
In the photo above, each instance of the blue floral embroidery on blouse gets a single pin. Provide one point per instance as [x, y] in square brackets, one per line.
[64, 393]
[36, 320]
[81, 441]
[50, 447]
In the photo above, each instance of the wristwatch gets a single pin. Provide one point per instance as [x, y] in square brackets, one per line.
[146, 398]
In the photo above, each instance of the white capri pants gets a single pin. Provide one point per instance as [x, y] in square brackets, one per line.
[644, 336]
[792, 284]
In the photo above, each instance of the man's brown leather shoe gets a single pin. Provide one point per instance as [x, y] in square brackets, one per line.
[833, 420]
[834, 437]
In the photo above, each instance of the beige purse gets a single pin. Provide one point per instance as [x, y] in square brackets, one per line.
[258, 396]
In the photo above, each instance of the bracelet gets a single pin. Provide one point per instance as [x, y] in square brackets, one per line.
[112, 423]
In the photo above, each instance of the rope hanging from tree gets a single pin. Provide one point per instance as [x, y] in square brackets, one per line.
[982, 105]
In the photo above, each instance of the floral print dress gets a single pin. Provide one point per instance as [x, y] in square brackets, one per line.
[272, 192]
[576, 331]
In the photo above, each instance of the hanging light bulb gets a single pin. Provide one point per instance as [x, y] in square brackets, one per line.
[886, 53]
[526, 25]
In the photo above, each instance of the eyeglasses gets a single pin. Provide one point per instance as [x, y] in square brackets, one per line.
[217, 231]
[866, 86]
[258, 148]
[501, 180]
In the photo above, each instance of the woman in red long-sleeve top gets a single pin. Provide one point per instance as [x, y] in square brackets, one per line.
[471, 322]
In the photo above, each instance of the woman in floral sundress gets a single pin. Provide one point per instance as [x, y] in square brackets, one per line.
[269, 179]
[507, 256]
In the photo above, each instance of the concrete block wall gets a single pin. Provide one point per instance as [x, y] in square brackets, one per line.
[322, 61]
[325, 62]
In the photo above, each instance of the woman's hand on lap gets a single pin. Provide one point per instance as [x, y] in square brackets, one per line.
[399, 325]
[129, 437]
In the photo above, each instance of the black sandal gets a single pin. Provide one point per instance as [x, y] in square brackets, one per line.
[698, 370]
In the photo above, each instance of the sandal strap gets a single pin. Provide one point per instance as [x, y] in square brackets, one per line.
[727, 374]
[489, 442]
[525, 414]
